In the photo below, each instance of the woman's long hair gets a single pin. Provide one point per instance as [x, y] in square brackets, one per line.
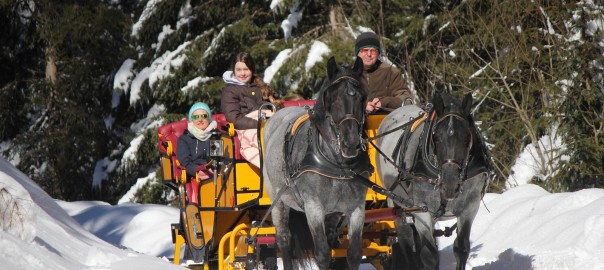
[266, 89]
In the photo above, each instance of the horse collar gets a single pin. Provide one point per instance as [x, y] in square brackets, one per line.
[316, 161]
[422, 164]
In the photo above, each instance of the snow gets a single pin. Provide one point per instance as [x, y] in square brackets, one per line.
[194, 83]
[123, 77]
[291, 21]
[275, 3]
[101, 171]
[166, 31]
[37, 233]
[130, 153]
[147, 12]
[525, 227]
[317, 50]
[527, 166]
[271, 70]
[160, 68]
[129, 196]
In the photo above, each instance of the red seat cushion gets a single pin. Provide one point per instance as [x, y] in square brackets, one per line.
[170, 133]
[299, 103]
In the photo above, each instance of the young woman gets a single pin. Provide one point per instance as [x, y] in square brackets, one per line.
[194, 144]
[240, 101]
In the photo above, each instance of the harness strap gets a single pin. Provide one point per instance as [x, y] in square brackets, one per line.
[323, 133]
[388, 132]
[418, 122]
[377, 188]
[298, 123]
[345, 77]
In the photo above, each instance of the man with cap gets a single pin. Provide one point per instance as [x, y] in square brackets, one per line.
[193, 147]
[387, 88]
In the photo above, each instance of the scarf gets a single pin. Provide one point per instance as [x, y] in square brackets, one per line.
[201, 135]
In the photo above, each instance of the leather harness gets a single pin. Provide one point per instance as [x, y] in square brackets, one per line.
[424, 165]
[315, 159]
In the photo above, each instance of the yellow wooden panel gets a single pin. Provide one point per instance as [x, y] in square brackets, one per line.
[373, 123]
[166, 166]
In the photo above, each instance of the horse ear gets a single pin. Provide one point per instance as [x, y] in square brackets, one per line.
[438, 103]
[467, 104]
[357, 68]
[332, 68]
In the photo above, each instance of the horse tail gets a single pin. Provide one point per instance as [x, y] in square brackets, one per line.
[301, 242]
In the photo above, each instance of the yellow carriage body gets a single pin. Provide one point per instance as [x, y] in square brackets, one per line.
[231, 203]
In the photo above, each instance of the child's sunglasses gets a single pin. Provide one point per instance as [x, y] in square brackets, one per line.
[196, 116]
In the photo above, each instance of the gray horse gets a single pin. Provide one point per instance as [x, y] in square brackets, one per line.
[312, 158]
[439, 163]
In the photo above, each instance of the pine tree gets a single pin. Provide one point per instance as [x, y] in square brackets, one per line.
[68, 97]
[529, 77]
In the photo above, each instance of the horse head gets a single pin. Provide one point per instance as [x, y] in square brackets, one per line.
[340, 109]
[452, 139]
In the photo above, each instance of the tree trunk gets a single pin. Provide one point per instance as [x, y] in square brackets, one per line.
[333, 19]
[51, 66]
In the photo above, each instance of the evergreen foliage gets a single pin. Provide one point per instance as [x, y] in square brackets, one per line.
[64, 94]
[533, 67]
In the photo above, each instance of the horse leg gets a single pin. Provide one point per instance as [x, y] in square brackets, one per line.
[405, 257]
[316, 222]
[461, 246]
[280, 216]
[428, 251]
[332, 230]
[354, 253]
[466, 209]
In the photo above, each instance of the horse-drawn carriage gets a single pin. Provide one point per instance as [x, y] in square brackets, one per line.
[226, 215]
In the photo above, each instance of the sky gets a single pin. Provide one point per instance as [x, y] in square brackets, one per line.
[524, 227]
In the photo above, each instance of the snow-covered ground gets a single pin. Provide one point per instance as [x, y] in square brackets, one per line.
[523, 228]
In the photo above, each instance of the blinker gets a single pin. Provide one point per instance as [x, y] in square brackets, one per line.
[351, 92]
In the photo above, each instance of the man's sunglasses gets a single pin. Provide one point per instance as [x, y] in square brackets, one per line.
[368, 51]
[196, 116]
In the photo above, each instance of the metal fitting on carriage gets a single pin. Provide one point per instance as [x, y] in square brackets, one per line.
[406, 218]
[428, 107]
[266, 113]
[216, 145]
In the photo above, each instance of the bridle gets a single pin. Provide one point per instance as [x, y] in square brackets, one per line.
[347, 117]
[451, 162]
